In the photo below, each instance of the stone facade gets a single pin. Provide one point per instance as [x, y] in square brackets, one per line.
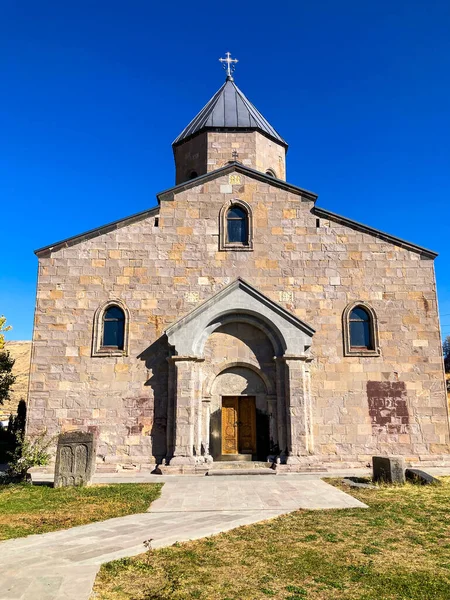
[209, 151]
[266, 322]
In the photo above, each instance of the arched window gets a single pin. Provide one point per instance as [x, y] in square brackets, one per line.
[113, 328]
[360, 330]
[270, 173]
[237, 226]
[193, 174]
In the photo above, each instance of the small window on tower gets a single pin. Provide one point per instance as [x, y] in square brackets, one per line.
[193, 175]
[270, 173]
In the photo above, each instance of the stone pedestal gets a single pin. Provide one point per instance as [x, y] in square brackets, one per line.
[75, 459]
[388, 469]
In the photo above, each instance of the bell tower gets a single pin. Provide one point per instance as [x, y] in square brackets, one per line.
[229, 129]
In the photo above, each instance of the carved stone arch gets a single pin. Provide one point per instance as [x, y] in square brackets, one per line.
[256, 320]
[348, 350]
[223, 243]
[247, 364]
[97, 332]
[240, 301]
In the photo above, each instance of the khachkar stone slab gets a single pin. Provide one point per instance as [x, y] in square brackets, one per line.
[418, 476]
[390, 469]
[75, 458]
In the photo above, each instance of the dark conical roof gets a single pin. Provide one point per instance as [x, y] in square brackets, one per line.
[229, 109]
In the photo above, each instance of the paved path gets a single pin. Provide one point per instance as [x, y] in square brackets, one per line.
[63, 564]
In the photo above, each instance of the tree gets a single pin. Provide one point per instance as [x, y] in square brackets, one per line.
[6, 364]
[3, 328]
[446, 350]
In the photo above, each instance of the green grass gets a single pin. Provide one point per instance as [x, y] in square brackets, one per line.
[399, 548]
[27, 509]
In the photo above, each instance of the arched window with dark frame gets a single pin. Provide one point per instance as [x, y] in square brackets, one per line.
[237, 225]
[113, 331]
[360, 329]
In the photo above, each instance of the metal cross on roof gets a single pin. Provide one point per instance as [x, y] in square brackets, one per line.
[235, 154]
[229, 64]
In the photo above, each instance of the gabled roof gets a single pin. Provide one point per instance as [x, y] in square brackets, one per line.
[168, 195]
[240, 168]
[235, 166]
[229, 109]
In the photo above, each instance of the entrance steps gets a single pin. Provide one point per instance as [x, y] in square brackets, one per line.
[218, 472]
[240, 468]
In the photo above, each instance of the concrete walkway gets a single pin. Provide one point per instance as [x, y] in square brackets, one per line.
[63, 564]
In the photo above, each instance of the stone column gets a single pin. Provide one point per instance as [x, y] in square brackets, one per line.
[186, 394]
[273, 420]
[206, 405]
[308, 406]
[281, 407]
[298, 407]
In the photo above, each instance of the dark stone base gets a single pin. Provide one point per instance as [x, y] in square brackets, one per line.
[388, 469]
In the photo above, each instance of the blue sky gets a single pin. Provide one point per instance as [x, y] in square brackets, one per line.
[93, 94]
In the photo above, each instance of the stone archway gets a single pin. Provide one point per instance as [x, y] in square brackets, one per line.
[259, 333]
[239, 363]
[243, 383]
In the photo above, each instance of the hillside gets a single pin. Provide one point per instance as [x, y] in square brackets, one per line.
[20, 351]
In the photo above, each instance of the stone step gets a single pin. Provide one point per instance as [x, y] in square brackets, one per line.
[237, 465]
[228, 472]
[234, 458]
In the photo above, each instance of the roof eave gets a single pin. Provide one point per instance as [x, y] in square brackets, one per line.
[278, 140]
[425, 252]
[87, 235]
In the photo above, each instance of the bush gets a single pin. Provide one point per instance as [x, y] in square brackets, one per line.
[29, 452]
[10, 435]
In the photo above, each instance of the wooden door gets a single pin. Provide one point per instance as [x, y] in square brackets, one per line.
[230, 425]
[247, 425]
[238, 425]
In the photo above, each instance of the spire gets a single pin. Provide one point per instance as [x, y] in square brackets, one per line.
[229, 110]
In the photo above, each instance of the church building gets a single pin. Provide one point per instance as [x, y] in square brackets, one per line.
[238, 321]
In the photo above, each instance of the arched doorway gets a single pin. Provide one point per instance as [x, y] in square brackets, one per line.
[239, 373]
[239, 344]
[240, 415]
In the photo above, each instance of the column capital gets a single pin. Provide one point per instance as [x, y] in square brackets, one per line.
[293, 357]
[178, 358]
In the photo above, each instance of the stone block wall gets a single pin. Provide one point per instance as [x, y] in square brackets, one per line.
[361, 406]
[191, 156]
[209, 151]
